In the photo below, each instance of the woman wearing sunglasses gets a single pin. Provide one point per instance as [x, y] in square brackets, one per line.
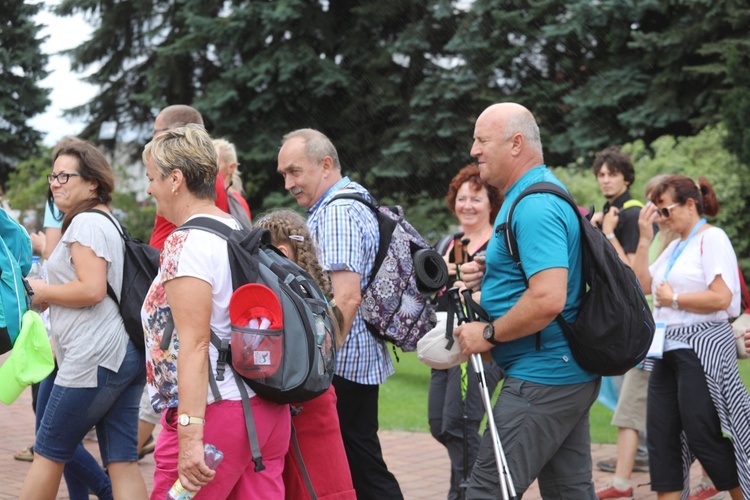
[695, 391]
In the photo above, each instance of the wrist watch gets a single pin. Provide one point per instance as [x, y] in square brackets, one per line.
[489, 334]
[186, 419]
[675, 305]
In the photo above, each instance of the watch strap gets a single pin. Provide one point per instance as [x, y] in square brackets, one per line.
[185, 419]
[490, 338]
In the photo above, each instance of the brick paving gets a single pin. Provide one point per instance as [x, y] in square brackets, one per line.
[418, 461]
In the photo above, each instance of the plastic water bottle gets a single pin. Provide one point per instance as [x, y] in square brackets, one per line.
[213, 458]
[36, 268]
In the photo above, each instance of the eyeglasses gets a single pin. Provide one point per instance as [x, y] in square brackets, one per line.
[666, 212]
[61, 178]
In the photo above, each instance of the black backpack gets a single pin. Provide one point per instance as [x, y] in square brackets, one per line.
[140, 266]
[614, 328]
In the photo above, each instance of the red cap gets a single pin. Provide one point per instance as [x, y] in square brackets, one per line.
[255, 301]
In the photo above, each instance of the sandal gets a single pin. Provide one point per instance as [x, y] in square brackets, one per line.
[25, 455]
[148, 447]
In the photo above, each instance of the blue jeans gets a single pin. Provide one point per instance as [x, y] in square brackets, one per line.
[111, 406]
[83, 472]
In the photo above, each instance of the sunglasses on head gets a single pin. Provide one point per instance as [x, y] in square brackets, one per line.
[666, 212]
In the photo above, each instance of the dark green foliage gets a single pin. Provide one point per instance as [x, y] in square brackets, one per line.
[27, 184]
[397, 84]
[737, 105]
[700, 155]
[22, 67]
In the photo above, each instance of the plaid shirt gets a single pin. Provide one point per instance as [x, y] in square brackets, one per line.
[346, 234]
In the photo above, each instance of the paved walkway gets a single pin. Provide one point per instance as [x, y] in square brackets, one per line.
[417, 460]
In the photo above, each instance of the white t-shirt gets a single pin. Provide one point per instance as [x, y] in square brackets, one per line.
[198, 254]
[86, 338]
[707, 255]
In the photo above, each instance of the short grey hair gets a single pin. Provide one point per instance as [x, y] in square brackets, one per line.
[317, 145]
[189, 149]
[524, 124]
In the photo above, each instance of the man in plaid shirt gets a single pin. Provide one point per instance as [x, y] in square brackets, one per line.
[346, 234]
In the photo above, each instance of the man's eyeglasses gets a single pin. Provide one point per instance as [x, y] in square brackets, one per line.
[666, 212]
[61, 178]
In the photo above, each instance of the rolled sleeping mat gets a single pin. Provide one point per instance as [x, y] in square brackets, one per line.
[430, 270]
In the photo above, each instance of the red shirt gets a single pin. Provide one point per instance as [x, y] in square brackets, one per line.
[162, 227]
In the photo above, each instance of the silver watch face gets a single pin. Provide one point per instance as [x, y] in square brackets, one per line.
[184, 419]
[489, 332]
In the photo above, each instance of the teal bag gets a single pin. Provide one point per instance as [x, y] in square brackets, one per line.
[15, 263]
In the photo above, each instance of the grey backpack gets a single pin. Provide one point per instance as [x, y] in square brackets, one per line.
[291, 364]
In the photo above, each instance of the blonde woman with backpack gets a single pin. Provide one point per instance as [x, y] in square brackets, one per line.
[191, 294]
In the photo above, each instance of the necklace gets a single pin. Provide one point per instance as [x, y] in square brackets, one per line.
[198, 209]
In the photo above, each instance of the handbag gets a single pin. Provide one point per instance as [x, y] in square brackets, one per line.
[742, 322]
[436, 349]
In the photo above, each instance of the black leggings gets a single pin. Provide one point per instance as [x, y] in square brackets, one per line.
[678, 399]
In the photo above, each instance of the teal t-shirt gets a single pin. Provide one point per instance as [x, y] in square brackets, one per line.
[548, 234]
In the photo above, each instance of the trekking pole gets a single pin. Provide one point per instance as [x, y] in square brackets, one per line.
[455, 306]
[506, 483]
[463, 381]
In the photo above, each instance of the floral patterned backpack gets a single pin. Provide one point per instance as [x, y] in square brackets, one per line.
[397, 304]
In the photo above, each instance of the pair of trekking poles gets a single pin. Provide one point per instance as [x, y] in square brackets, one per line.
[472, 313]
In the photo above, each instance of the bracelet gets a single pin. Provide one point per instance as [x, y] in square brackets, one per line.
[610, 236]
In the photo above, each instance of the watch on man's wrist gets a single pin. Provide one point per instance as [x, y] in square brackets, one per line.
[489, 334]
[185, 420]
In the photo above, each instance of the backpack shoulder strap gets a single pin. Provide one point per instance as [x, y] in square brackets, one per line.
[209, 225]
[257, 235]
[110, 290]
[110, 219]
[539, 187]
[632, 203]
[386, 226]
[223, 347]
[344, 195]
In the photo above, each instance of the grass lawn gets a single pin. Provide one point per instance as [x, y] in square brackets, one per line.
[403, 400]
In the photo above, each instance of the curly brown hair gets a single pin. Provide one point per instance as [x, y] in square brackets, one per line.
[616, 161]
[470, 174]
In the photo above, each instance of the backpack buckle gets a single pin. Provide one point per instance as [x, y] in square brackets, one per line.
[222, 360]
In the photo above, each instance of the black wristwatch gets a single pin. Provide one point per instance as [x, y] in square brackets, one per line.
[489, 334]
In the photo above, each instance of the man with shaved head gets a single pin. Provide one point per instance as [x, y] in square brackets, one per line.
[542, 414]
